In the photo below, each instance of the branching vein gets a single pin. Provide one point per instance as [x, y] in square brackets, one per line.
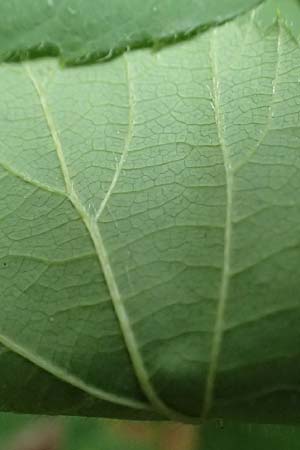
[94, 231]
[124, 155]
[52, 128]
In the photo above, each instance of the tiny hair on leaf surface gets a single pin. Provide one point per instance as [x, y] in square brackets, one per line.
[150, 230]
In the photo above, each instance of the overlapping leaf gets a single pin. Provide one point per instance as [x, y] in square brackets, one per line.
[86, 30]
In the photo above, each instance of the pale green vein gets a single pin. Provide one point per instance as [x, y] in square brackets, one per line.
[127, 331]
[66, 377]
[92, 227]
[124, 155]
[220, 313]
[126, 328]
[52, 128]
[32, 182]
[51, 262]
[270, 109]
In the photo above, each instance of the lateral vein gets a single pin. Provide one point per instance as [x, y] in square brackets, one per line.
[125, 151]
[272, 101]
[52, 128]
[62, 375]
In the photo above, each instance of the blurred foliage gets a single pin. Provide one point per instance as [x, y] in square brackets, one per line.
[96, 434]
[236, 436]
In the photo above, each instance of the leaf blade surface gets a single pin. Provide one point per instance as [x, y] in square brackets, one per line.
[140, 224]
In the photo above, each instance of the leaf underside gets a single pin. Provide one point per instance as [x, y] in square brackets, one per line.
[150, 232]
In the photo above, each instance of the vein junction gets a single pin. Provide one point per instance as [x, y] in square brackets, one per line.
[94, 231]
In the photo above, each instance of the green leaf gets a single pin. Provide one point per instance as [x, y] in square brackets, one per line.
[91, 29]
[150, 231]
[234, 436]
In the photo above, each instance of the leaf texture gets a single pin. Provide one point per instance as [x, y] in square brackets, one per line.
[149, 234]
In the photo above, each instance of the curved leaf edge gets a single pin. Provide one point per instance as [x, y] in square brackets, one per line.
[77, 58]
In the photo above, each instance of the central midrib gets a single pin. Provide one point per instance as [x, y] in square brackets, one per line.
[94, 231]
[223, 293]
